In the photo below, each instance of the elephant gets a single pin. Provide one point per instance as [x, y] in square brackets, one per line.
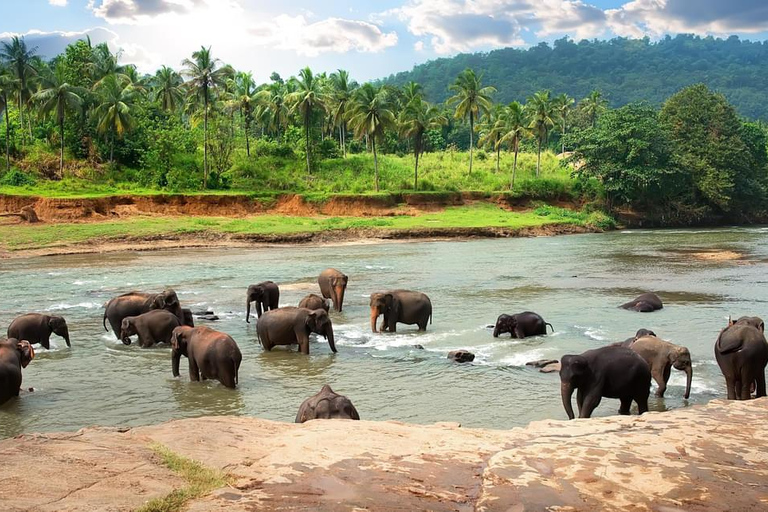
[37, 328]
[661, 356]
[333, 284]
[212, 354]
[289, 325]
[741, 352]
[152, 327]
[611, 372]
[327, 405]
[137, 303]
[189, 318]
[14, 355]
[521, 325]
[313, 301]
[403, 306]
[645, 303]
[639, 334]
[266, 295]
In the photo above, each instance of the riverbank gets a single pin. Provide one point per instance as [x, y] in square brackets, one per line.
[704, 458]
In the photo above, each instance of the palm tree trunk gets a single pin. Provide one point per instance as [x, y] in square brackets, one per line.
[61, 151]
[375, 163]
[247, 141]
[205, 142]
[514, 168]
[563, 149]
[471, 139]
[416, 173]
[306, 126]
[7, 136]
[538, 159]
[498, 157]
[112, 148]
[21, 121]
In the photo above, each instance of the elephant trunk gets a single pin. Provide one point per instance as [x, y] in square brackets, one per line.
[175, 360]
[374, 317]
[338, 301]
[566, 391]
[66, 337]
[329, 337]
[248, 310]
[496, 331]
[688, 379]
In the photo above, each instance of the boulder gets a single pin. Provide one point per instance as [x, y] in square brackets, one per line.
[461, 356]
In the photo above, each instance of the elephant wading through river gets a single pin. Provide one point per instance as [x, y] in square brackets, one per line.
[645, 303]
[14, 355]
[266, 295]
[212, 354]
[741, 352]
[313, 301]
[521, 325]
[37, 328]
[333, 284]
[612, 372]
[661, 356]
[400, 306]
[138, 303]
[290, 326]
[152, 327]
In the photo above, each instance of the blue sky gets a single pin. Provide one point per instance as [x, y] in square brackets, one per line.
[369, 38]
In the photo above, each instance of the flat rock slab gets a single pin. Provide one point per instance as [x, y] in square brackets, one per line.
[706, 458]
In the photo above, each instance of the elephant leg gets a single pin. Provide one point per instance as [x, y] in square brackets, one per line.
[730, 387]
[194, 371]
[591, 401]
[745, 389]
[226, 376]
[579, 399]
[642, 403]
[760, 384]
[259, 310]
[519, 333]
[626, 403]
[660, 375]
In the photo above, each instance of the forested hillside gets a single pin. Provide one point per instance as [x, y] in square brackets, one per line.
[626, 70]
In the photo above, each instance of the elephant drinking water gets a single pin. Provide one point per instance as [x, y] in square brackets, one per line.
[37, 328]
[266, 295]
[661, 356]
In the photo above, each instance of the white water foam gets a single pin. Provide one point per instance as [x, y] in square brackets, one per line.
[81, 305]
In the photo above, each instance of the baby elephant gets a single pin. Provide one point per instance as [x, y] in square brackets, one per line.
[661, 356]
[14, 355]
[37, 328]
[212, 354]
[645, 303]
[639, 334]
[741, 352]
[327, 405]
[153, 327]
[313, 301]
[266, 295]
[521, 325]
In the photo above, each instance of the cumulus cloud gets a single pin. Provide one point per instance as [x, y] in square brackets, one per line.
[329, 35]
[135, 11]
[58, 3]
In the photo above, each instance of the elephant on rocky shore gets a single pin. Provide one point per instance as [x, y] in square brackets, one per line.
[314, 301]
[266, 295]
[400, 306]
[326, 405]
[138, 303]
[152, 327]
[212, 354]
[333, 285]
[521, 325]
[741, 352]
[661, 356]
[37, 328]
[291, 326]
[645, 303]
[14, 355]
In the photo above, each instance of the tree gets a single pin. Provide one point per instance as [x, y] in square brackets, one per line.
[307, 98]
[272, 110]
[113, 113]
[57, 96]
[592, 106]
[539, 108]
[104, 63]
[472, 101]
[370, 115]
[342, 90]
[167, 89]
[563, 104]
[416, 119]
[205, 77]
[7, 86]
[245, 96]
[493, 130]
[19, 58]
[516, 130]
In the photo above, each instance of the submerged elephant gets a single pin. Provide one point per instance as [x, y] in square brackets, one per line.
[290, 326]
[266, 295]
[400, 306]
[138, 303]
[326, 405]
[313, 301]
[37, 328]
[741, 352]
[333, 284]
[212, 354]
[521, 325]
[14, 355]
[152, 327]
[645, 303]
[661, 356]
[612, 372]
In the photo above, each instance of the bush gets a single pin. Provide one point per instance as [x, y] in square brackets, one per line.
[328, 149]
[481, 155]
[263, 147]
[17, 178]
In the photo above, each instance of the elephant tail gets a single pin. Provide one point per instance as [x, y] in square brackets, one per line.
[104, 320]
[550, 326]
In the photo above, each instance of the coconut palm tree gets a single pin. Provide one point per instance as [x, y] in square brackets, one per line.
[516, 130]
[370, 115]
[305, 101]
[167, 89]
[57, 96]
[113, 114]
[205, 76]
[472, 101]
[416, 119]
[104, 64]
[493, 130]
[245, 96]
[7, 86]
[341, 95]
[540, 112]
[410, 92]
[20, 59]
[593, 105]
[272, 110]
[563, 104]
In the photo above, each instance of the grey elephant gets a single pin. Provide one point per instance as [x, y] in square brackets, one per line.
[521, 325]
[645, 303]
[314, 301]
[14, 355]
[152, 327]
[290, 326]
[639, 334]
[37, 328]
[326, 405]
[266, 295]
[137, 303]
[741, 352]
[333, 285]
[212, 354]
[400, 306]
[661, 356]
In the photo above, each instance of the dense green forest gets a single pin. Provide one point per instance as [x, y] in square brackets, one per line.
[85, 123]
[626, 70]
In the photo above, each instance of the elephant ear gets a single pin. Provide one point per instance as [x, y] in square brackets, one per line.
[26, 351]
[389, 299]
[311, 321]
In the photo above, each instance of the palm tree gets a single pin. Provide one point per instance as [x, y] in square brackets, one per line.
[167, 89]
[540, 112]
[245, 96]
[104, 64]
[56, 95]
[416, 119]
[307, 98]
[342, 90]
[493, 130]
[205, 76]
[411, 91]
[563, 104]
[472, 101]
[272, 110]
[19, 58]
[593, 105]
[7, 86]
[515, 126]
[113, 114]
[370, 115]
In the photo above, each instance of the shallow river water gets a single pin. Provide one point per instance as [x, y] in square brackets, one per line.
[575, 282]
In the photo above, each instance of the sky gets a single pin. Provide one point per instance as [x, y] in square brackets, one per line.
[371, 39]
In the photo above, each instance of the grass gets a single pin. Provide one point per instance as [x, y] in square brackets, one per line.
[480, 215]
[200, 481]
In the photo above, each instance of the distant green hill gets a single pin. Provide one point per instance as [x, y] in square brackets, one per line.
[625, 70]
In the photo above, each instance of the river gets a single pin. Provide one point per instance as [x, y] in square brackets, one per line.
[575, 282]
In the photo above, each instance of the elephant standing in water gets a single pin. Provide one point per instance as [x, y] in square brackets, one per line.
[612, 372]
[14, 355]
[37, 328]
[741, 352]
[661, 356]
[521, 325]
[212, 354]
[645, 303]
[152, 327]
[326, 405]
[639, 334]
[138, 303]
[333, 284]
[266, 295]
[400, 306]
[313, 301]
[290, 326]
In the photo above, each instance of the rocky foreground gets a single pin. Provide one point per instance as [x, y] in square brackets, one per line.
[713, 457]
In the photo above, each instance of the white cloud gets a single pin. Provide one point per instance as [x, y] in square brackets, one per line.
[139, 11]
[58, 3]
[418, 46]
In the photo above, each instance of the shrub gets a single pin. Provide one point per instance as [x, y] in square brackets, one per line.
[17, 178]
